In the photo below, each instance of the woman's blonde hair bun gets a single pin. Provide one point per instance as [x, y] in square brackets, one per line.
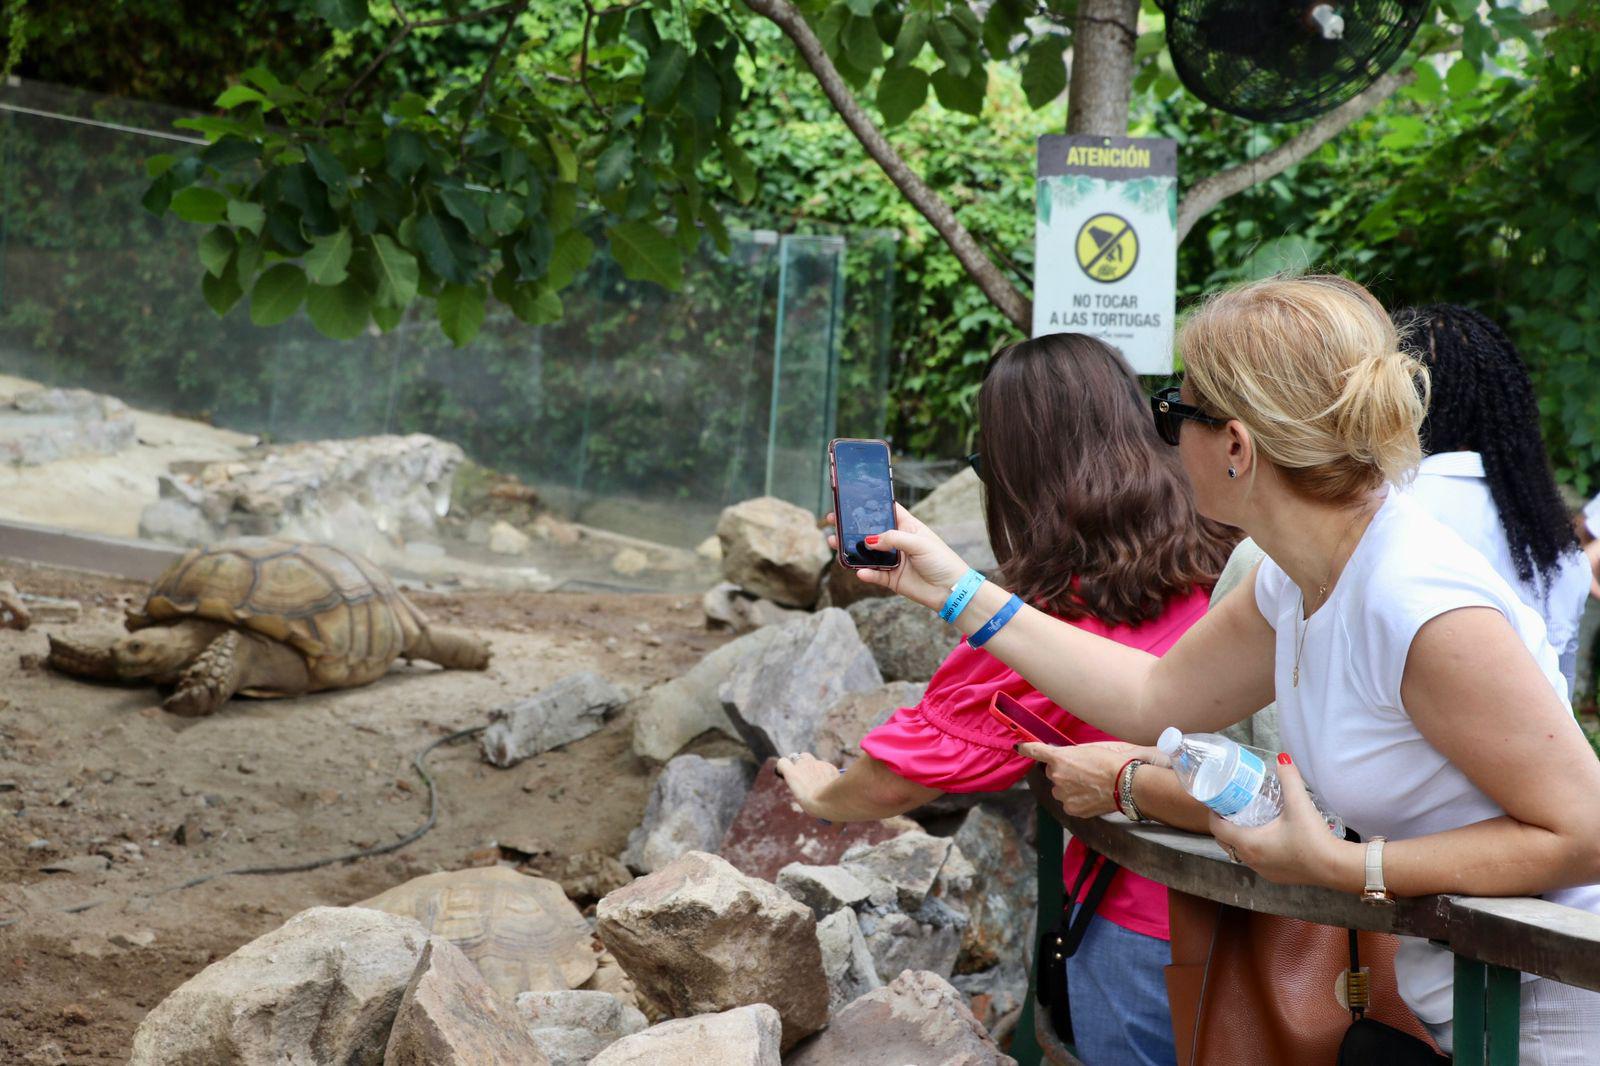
[1313, 367]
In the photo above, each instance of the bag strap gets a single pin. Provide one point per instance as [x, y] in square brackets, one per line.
[1357, 1011]
[1079, 914]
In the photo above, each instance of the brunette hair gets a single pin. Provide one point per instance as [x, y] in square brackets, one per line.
[1088, 512]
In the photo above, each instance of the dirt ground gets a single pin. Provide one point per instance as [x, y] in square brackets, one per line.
[87, 769]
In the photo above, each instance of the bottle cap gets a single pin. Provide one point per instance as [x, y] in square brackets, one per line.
[1170, 741]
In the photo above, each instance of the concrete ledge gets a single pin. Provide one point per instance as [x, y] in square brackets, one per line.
[137, 560]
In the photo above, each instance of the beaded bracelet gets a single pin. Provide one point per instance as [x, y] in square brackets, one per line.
[961, 594]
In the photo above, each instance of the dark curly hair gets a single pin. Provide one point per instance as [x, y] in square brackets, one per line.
[1483, 402]
[1089, 513]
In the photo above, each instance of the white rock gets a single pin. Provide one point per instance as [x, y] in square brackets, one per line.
[825, 889]
[573, 1027]
[558, 714]
[917, 1018]
[450, 1017]
[507, 539]
[852, 971]
[773, 549]
[744, 1036]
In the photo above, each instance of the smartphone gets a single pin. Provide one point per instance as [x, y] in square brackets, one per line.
[1024, 724]
[863, 500]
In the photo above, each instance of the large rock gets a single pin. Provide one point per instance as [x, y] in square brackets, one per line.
[42, 425]
[825, 889]
[771, 831]
[672, 714]
[691, 806]
[773, 549]
[917, 1018]
[906, 866]
[854, 716]
[698, 936]
[776, 699]
[907, 640]
[745, 1036]
[573, 1027]
[954, 510]
[558, 714]
[1000, 897]
[729, 606]
[846, 959]
[450, 1017]
[929, 940]
[322, 987]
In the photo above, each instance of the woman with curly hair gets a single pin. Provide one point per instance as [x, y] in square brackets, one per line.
[1485, 472]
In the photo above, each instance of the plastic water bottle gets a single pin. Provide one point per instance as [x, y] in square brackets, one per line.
[1230, 778]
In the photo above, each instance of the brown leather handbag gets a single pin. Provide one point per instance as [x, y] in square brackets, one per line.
[1249, 987]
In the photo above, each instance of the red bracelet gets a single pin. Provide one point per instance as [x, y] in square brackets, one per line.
[1116, 787]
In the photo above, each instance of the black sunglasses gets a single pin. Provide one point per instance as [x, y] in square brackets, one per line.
[1170, 412]
[974, 462]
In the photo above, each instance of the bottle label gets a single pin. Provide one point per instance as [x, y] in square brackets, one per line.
[1238, 793]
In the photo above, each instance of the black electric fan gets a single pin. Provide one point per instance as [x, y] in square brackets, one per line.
[1281, 60]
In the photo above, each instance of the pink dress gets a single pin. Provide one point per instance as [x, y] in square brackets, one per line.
[950, 742]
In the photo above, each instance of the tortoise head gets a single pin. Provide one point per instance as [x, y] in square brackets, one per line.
[151, 653]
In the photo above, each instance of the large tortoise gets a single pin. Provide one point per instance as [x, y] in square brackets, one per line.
[265, 617]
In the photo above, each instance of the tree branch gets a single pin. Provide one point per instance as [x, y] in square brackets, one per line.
[488, 69]
[995, 285]
[1208, 192]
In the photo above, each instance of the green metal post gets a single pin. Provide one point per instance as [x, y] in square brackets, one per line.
[1471, 984]
[1504, 1015]
[1050, 840]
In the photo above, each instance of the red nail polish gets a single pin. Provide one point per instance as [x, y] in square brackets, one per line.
[1284, 760]
[871, 540]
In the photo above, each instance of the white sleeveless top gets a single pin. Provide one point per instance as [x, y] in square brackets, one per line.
[1345, 724]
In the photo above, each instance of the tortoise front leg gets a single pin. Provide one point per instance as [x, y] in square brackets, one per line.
[93, 661]
[232, 662]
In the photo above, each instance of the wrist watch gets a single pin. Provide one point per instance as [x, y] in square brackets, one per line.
[1376, 893]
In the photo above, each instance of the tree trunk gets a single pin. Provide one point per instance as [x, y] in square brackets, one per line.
[1102, 67]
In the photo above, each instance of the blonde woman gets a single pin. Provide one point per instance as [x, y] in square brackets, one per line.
[1416, 693]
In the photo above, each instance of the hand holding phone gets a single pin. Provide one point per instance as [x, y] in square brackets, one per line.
[1026, 726]
[863, 501]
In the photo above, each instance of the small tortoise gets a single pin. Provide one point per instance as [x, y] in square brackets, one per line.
[267, 617]
[522, 932]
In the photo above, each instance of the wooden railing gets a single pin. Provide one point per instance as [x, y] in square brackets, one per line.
[1493, 939]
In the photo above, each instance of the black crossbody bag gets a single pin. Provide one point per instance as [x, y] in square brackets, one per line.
[1060, 943]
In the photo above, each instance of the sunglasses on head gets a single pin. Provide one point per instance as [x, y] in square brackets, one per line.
[976, 462]
[1169, 413]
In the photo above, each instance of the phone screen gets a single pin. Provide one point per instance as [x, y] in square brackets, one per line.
[865, 499]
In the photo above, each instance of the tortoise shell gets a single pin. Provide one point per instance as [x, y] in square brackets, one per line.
[337, 609]
[522, 932]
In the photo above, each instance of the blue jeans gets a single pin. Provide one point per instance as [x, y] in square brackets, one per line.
[1118, 996]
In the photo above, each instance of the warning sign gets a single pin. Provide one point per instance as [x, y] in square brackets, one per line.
[1107, 247]
[1107, 252]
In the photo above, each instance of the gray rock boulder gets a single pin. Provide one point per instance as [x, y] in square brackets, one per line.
[693, 802]
[670, 715]
[917, 1018]
[450, 1017]
[698, 936]
[930, 940]
[840, 731]
[954, 510]
[573, 1027]
[846, 959]
[1001, 895]
[557, 714]
[777, 698]
[824, 889]
[773, 549]
[909, 865]
[744, 1036]
[908, 641]
[323, 987]
[729, 606]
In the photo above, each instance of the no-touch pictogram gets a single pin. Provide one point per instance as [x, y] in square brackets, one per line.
[1107, 247]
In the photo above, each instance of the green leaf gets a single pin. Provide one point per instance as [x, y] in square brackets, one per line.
[277, 294]
[961, 94]
[466, 206]
[441, 249]
[230, 151]
[701, 96]
[663, 73]
[404, 154]
[327, 168]
[568, 258]
[158, 165]
[901, 90]
[613, 166]
[645, 254]
[328, 257]
[911, 38]
[951, 46]
[248, 258]
[341, 14]
[566, 162]
[714, 226]
[862, 45]
[504, 212]
[198, 204]
[221, 291]
[861, 8]
[532, 251]
[461, 312]
[1428, 86]
[216, 250]
[1044, 73]
[1461, 79]
[237, 96]
[530, 302]
[740, 169]
[387, 318]
[339, 311]
[397, 272]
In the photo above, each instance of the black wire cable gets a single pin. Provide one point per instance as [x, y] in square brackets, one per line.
[418, 761]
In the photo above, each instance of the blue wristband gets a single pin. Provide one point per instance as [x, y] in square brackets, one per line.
[961, 595]
[993, 625]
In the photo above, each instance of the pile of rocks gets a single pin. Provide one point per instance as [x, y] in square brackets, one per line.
[40, 426]
[370, 494]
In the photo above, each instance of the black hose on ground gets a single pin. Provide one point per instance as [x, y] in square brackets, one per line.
[418, 761]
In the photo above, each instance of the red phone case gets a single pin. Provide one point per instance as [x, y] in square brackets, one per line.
[833, 482]
[1024, 724]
